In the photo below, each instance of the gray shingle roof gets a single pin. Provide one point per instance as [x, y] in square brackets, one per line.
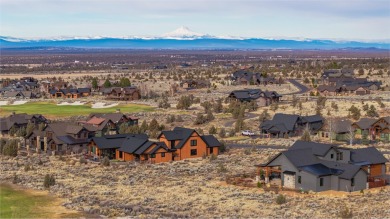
[178, 133]
[319, 149]
[365, 123]
[282, 122]
[370, 154]
[211, 141]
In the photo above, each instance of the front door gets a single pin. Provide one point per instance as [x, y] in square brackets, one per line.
[289, 180]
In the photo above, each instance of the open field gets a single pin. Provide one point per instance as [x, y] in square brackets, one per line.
[50, 109]
[18, 203]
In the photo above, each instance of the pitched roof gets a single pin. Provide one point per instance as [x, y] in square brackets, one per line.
[178, 133]
[370, 155]
[124, 142]
[115, 117]
[73, 129]
[282, 122]
[320, 169]
[158, 146]
[312, 118]
[319, 149]
[70, 140]
[365, 123]
[342, 126]
[211, 141]
[95, 121]
[304, 156]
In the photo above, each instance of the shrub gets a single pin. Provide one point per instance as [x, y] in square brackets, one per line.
[221, 168]
[49, 181]
[15, 180]
[222, 133]
[10, 148]
[27, 167]
[213, 157]
[222, 147]
[345, 213]
[106, 162]
[40, 162]
[259, 185]
[83, 160]
[281, 199]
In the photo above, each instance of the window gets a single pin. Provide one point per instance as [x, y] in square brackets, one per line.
[193, 152]
[299, 179]
[339, 155]
[331, 156]
[321, 181]
[353, 182]
[153, 156]
[194, 142]
[163, 154]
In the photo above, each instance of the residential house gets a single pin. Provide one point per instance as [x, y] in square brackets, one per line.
[122, 93]
[242, 77]
[117, 118]
[289, 125]
[70, 93]
[337, 129]
[129, 147]
[18, 121]
[100, 126]
[187, 143]
[19, 94]
[381, 129]
[194, 84]
[363, 128]
[310, 166]
[60, 138]
[263, 98]
[346, 86]
[335, 75]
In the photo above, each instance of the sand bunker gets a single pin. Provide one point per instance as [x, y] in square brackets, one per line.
[3, 103]
[19, 102]
[76, 103]
[103, 105]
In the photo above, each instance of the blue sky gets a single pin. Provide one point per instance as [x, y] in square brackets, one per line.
[330, 19]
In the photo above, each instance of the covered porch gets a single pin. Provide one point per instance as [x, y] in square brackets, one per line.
[269, 175]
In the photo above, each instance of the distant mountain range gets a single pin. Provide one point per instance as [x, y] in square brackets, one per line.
[183, 38]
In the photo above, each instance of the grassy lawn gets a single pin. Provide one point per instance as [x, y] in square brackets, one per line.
[52, 110]
[15, 203]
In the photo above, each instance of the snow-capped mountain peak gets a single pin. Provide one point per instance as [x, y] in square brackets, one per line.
[184, 33]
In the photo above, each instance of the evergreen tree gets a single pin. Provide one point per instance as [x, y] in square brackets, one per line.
[94, 83]
[153, 125]
[212, 130]
[107, 84]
